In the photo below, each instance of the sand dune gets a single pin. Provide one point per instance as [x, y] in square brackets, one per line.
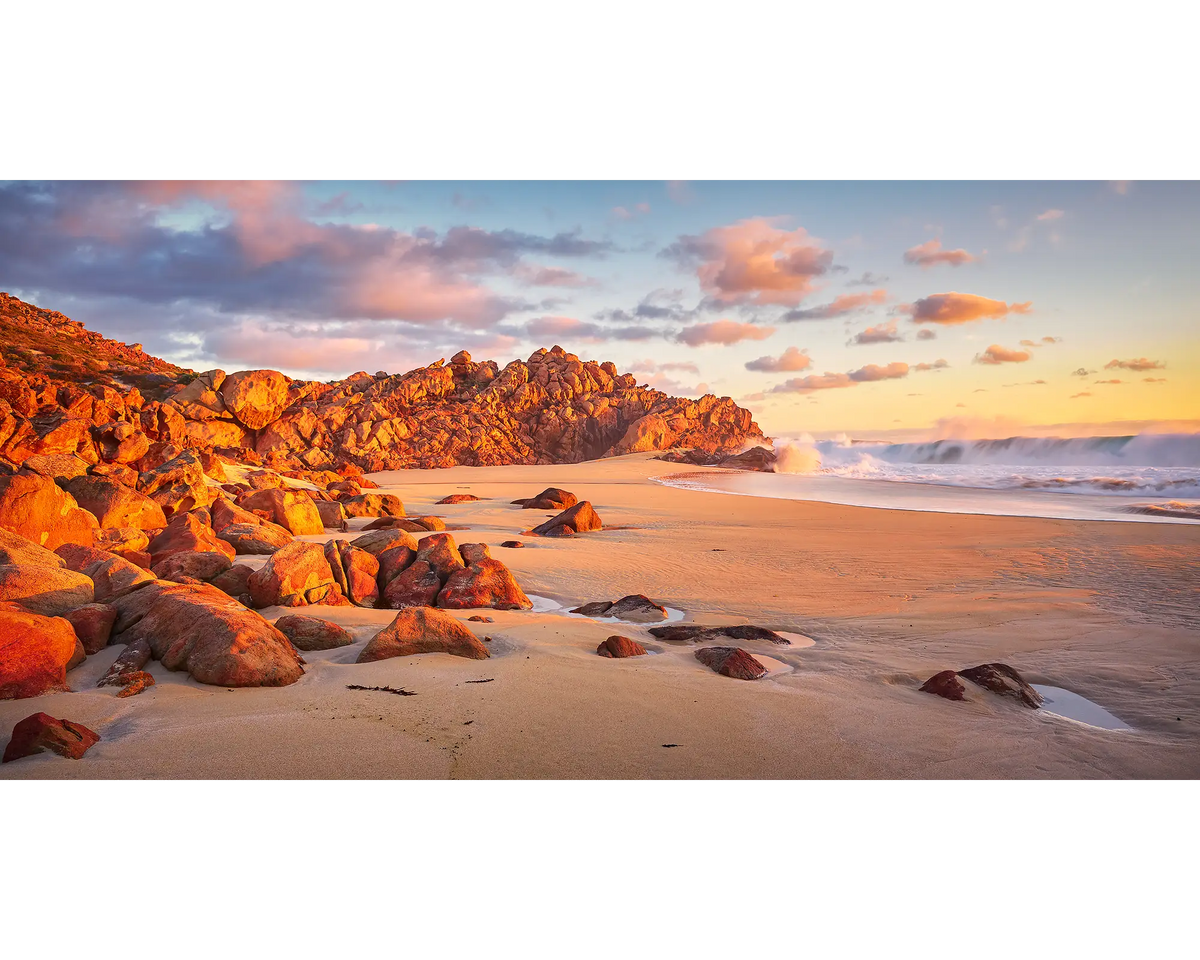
[1106, 610]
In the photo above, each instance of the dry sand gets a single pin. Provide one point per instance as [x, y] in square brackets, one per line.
[1107, 610]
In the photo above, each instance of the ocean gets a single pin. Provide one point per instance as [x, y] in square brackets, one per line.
[1144, 477]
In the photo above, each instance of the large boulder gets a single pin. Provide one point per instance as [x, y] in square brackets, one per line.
[296, 575]
[484, 582]
[332, 514]
[111, 576]
[45, 590]
[93, 623]
[41, 732]
[255, 397]
[423, 630]
[373, 505]
[291, 509]
[638, 609]
[580, 518]
[236, 582]
[1002, 679]
[255, 538]
[417, 585]
[945, 684]
[312, 633]
[378, 541]
[56, 466]
[619, 648]
[355, 572]
[121, 442]
[200, 630]
[179, 485]
[186, 567]
[731, 662]
[35, 652]
[116, 505]
[39, 510]
[20, 551]
[552, 498]
[440, 552]
[187, 533]
[127, 542]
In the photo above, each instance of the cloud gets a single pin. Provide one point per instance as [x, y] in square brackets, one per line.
[248, 249]
[1051, 215]
[843, 304]
[539, 276]
[925, 333]
[930, 254]
[659, 304]
[339, 205]
[1140, 365]
[996, 354]
[1154, 379]
[791, 360]
[1076, 396]
[1082, 372]
[868, 279]
[679, 191]
[953, 308]
[835, 381]
[545, 328]
[651, 366]
[880, 333]
[725, 332]
[754, 261]
[939, 364]
[1114, 383]
[631, 213]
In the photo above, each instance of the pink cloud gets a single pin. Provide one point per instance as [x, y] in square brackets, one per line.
[1140, 365]
[627, 213]
[954, 308]
[725, 332]
[755, 261]
[841, 305]
[930, 254]
[996, 354]
[836, 381]
[1051, 215]
[791, 360]
[879, 333]
[539, 276]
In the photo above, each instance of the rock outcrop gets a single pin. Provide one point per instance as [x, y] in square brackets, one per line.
[997, 678]
[423, 630]
[67, 391]
[580, 518]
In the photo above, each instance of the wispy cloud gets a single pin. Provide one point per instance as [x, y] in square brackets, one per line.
[879, 333]
[840, 306]
[839, 381]
[792, 360]
[996, 354]
[1140, 365]
[725, 332]
[931, 254]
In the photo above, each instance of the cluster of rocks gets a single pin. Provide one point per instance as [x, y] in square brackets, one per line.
[761, 459]
[997, 678]
[635, 608]
[67, 392]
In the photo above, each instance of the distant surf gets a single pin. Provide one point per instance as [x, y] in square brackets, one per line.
[1138, 477]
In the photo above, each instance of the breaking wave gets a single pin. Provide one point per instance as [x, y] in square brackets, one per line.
[1143, 465]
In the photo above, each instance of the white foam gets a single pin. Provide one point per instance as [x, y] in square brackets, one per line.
[1071, 706]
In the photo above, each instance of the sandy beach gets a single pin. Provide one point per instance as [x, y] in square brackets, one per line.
[889, 597]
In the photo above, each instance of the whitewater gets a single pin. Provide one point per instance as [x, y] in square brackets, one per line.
[1137, 477]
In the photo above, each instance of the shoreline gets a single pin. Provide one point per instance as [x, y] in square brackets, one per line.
[912, 490]
[889, 596]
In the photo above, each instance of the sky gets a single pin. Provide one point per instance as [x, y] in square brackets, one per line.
[907, 309]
